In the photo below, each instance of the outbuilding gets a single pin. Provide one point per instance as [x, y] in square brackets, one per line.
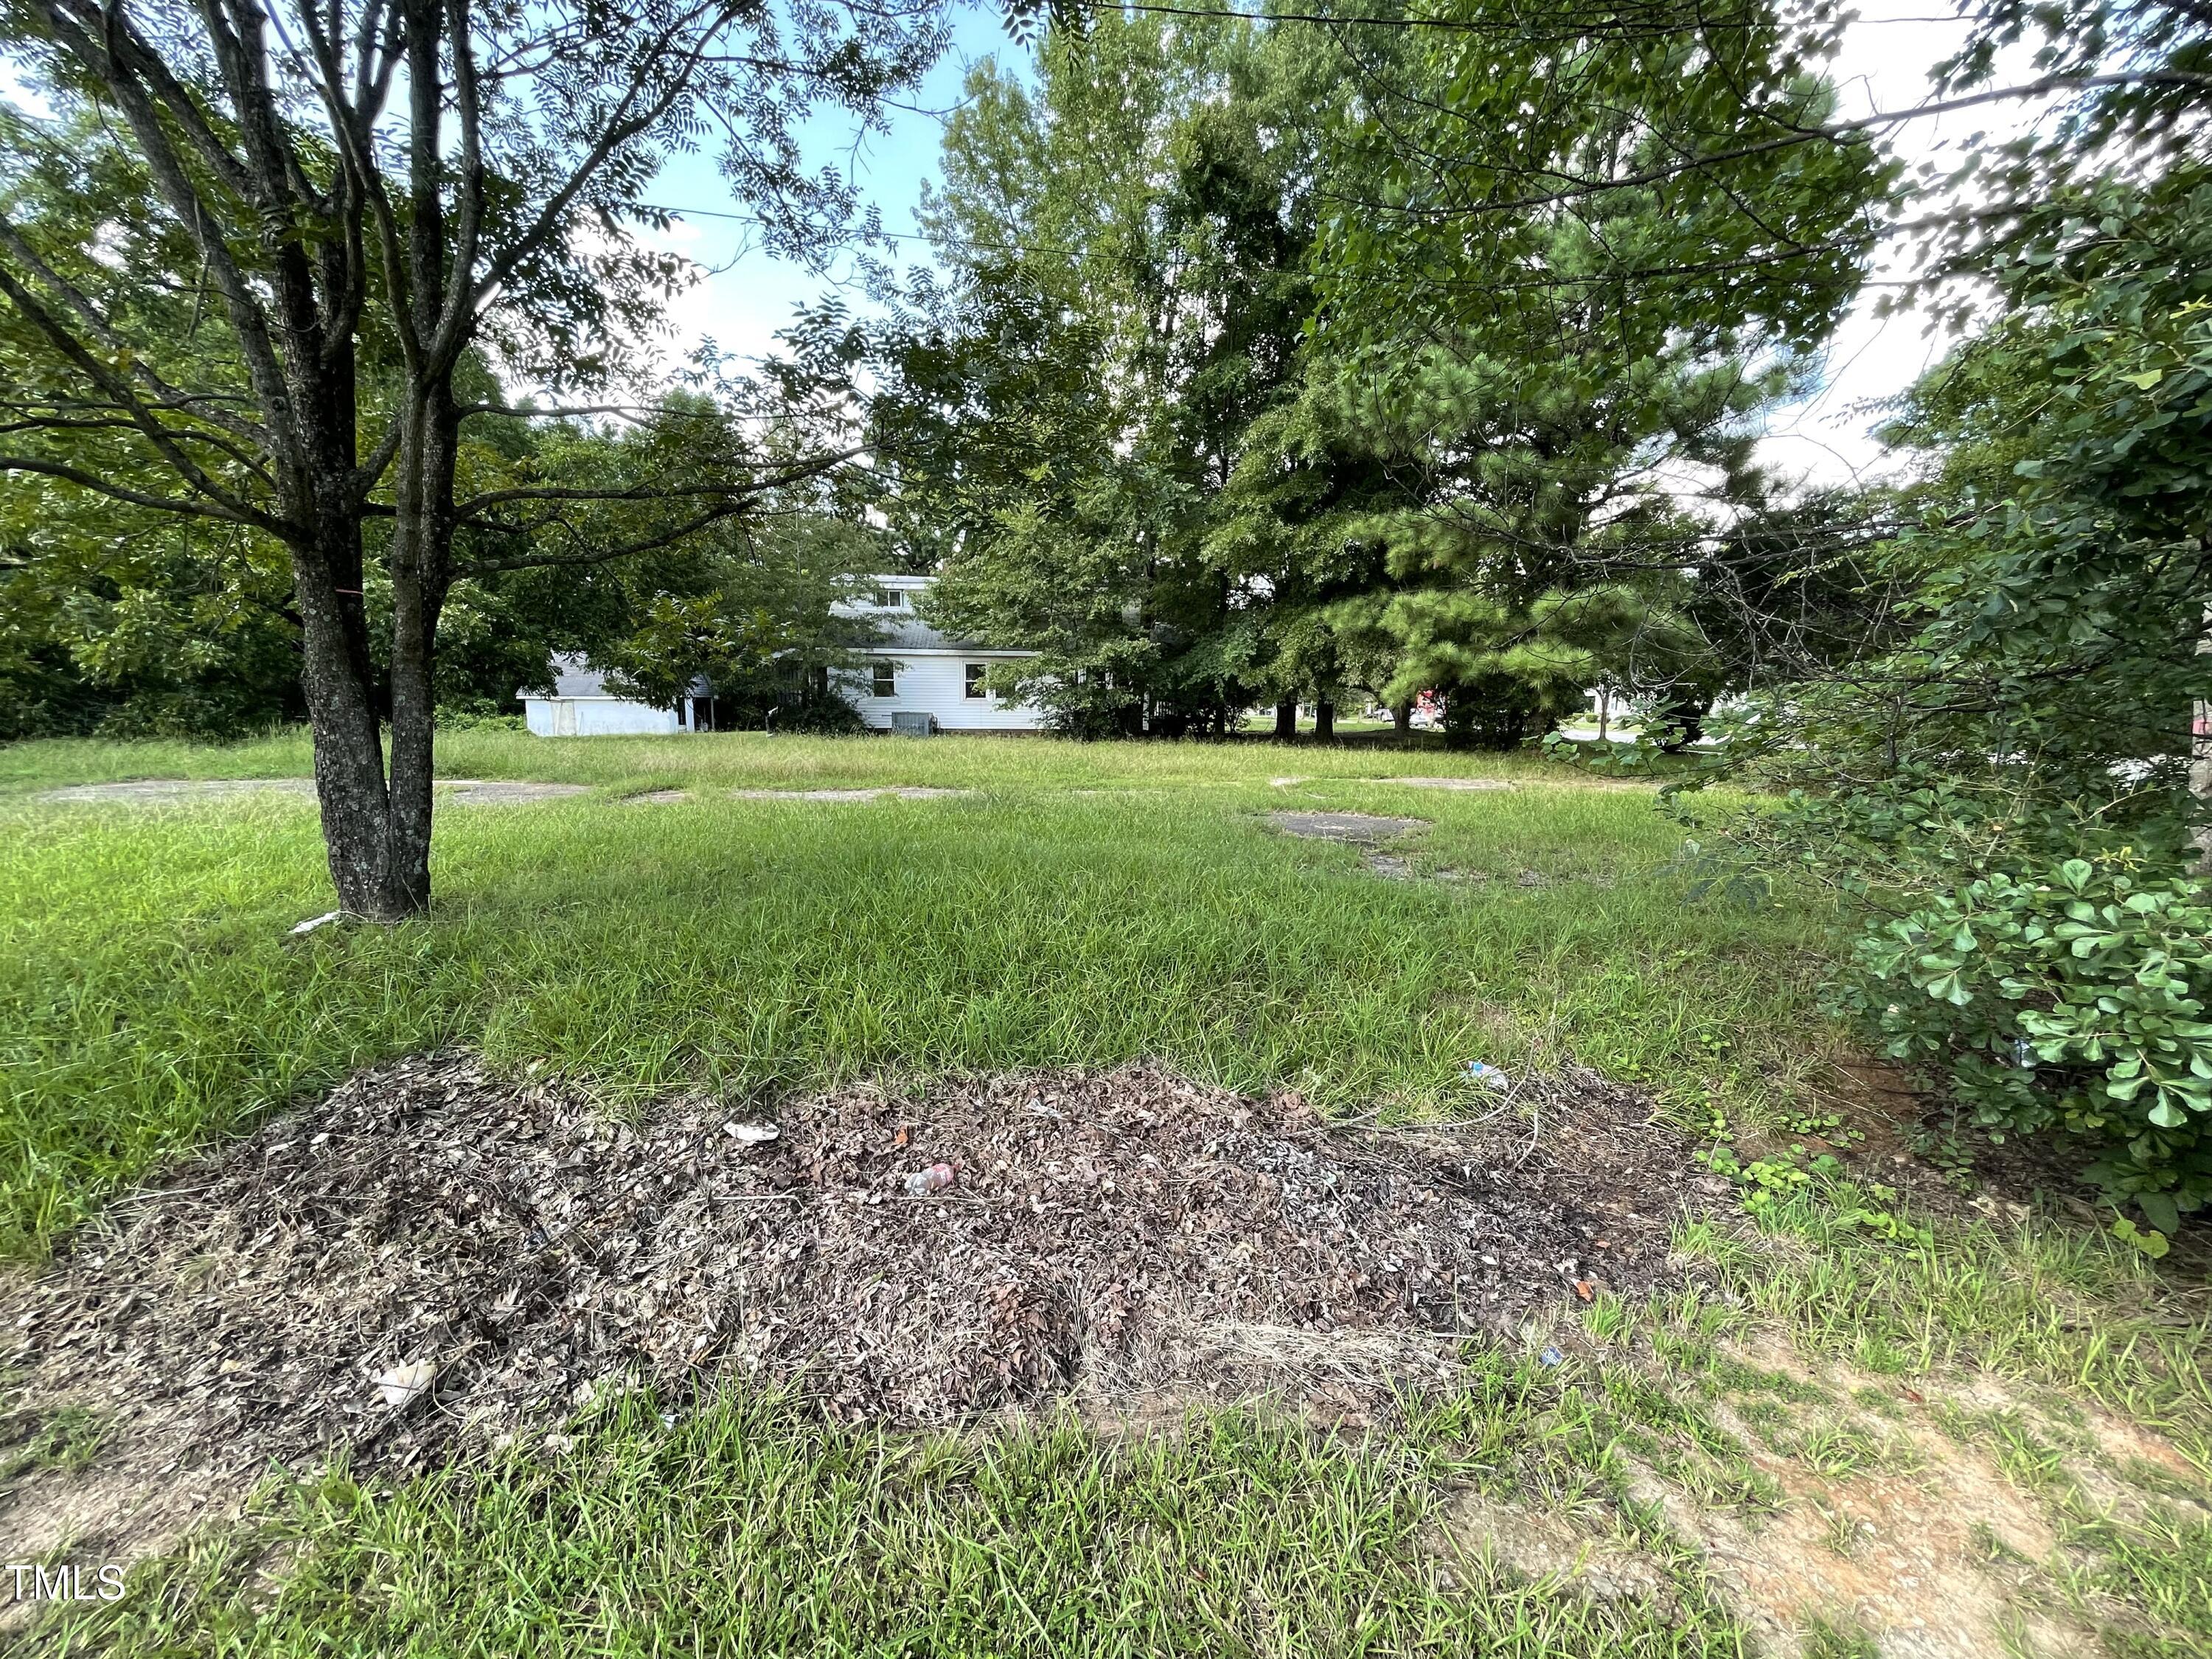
[582, 707]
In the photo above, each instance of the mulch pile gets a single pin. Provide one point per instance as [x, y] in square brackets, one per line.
[1127, 1237]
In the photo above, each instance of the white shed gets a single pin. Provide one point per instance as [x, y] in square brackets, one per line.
[582, 707]
[916, 671]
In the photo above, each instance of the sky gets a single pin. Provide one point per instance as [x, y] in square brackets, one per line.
[1883, 67]
[749, 296]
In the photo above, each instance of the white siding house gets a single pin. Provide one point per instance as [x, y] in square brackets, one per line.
[916, 671]
[582, 707]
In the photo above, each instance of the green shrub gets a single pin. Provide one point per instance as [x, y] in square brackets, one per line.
[2071, 996]
[475, 719]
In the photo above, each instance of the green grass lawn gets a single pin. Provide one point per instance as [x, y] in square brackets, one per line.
[154, 997]
[1085, 904]
[744, 759]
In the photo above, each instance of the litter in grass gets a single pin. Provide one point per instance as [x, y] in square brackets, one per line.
[1488, 1076]
[753, 1134]
[1132, 1239]
[935, 1179]
[403, 1385]
[313, 922]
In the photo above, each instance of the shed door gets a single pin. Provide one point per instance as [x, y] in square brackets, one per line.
[564, 717]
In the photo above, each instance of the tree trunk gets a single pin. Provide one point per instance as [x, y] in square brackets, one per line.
[1286, 719]
[1604, 710]
[1401, 721]
[377, 831]
[2200, 782]
[335, 676]
[421, 550]
[2200, 759]
[1324, 719]
[1683, 721]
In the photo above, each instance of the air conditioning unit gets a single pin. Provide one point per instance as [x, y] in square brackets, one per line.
[914, 724]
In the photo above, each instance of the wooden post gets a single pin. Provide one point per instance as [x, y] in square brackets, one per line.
[2199, 758]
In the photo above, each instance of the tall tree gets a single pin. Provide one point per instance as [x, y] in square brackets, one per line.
[1128, 243]
[272, 233]
[1568, 260]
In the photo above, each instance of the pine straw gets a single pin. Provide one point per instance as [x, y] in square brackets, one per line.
[1128, 1238]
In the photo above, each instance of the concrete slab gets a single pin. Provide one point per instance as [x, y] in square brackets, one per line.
[1448, 783]
[904, 791]
[1358, 828]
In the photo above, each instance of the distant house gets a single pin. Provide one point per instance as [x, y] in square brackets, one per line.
[582, 707]
[919, 673]
[914, 677]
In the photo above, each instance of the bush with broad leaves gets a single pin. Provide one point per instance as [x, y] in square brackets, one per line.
[2071, 996]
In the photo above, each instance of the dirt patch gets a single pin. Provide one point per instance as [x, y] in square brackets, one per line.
[2125, 1444]
[1881, 1521]
[1127, 1239]
[1358, 828]
[904, 791]
[1470, 784]
[1908, 1560]
[1910, 1136]
[659, 797]
[1929, 1546]
[156, 792]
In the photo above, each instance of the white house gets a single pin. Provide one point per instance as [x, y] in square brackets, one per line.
[582, 707]
[916, 679]
[922, 675]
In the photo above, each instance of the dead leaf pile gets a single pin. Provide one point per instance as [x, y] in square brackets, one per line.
[431, 1251]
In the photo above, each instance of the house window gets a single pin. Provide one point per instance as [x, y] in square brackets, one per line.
[891, 598]
[976, 680]
[885, 685]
